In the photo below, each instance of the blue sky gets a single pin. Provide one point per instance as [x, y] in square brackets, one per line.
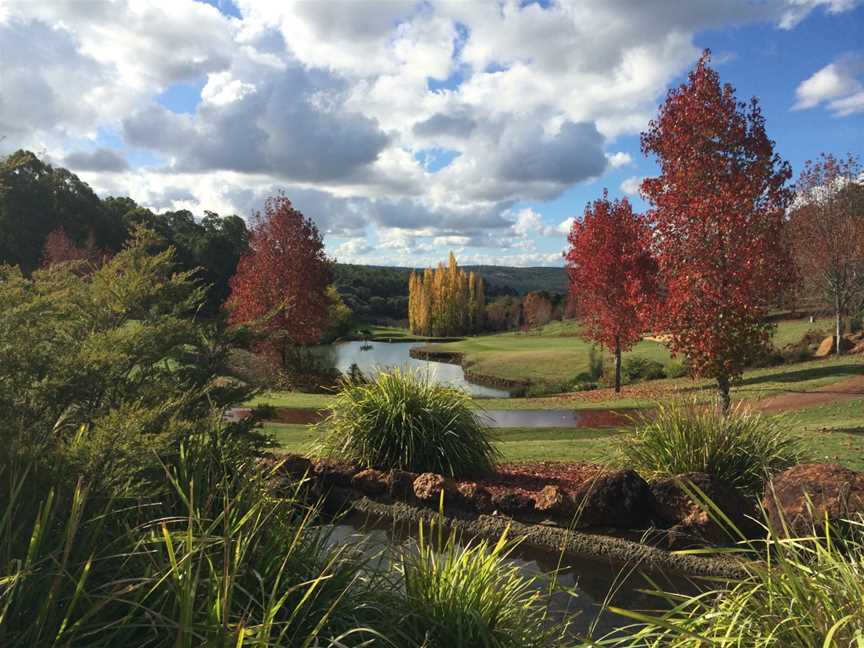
[404, 128]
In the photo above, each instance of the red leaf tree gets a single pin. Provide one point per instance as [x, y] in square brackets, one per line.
[612, 275]
[59, 248]
[828, 231]
[718, 216]
[281, 282]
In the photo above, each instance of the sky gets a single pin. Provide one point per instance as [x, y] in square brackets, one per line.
[407, 129]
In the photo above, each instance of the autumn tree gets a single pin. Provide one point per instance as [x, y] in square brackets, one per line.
[717, 209]
[445, 301]
[613, 276]
[60, 248]
[537, 309]
[827, 220]
[281, 282]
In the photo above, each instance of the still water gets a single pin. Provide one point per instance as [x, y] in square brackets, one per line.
[584, 586]
[385, 355]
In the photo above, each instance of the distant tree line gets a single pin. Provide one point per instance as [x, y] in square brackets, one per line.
[46, 209]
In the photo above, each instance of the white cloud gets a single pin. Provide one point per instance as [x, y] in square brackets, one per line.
[836, 84]
[332, 102]
[631, 185]
[620, 159]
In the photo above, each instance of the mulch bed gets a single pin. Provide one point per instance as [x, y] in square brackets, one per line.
[530, 478]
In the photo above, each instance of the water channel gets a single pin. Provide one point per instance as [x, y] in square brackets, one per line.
[384, 355]
[583, 586]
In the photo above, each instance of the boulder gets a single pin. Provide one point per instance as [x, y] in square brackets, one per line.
[429, 486]
[400, 484]
[827, 346]
[475, 497]
[689, 522]
[332, 473]
[617, 498]
[370, 482]
[804, 495]
[512, 503]
[554, 501]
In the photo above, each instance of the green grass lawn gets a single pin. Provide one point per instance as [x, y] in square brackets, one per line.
[554, 353]
[831, 433]
[791, 331]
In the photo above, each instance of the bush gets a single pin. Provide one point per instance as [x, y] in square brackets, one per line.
[741, 447]
[471, 595]
[403, 420]
[635, 369]
[795, 593]
[677, 370]
[595, 364]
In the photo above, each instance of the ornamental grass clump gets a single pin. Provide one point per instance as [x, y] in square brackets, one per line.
[795, 593]
[403, 420]
[472, 595]
[740, 447]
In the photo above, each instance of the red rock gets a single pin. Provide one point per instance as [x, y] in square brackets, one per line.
[332, 473]
[554, 501]
[294, 465]
[674, 508]
[800, 498]
[828, 346]
[370, 481]
[619, 498]
[512, 503]
[475, 497]
[429, 486]
[400, 484]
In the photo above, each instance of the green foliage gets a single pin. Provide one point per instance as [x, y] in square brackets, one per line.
[796, 593]
[404, 420]
[110, 368]
[214, 561]
[469, 595]
[677, 370]
[636, 369]
[741, 447]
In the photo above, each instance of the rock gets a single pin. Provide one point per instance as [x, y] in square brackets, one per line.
[804, 495]
[858, 348]
[400, 484]
[475, 497]
[334, 474]
[429, 486]
[513, 503]
[618, 498]
[294, 465]
[370, 481]
[673, 507]
[827, 346]
[554, 501]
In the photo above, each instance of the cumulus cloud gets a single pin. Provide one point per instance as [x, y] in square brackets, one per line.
[838, 85]
[339, 104]
[631, 185]
[100, 159]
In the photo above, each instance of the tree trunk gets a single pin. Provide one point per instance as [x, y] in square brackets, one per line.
[725, 399]
[837, 324]
[617, 365]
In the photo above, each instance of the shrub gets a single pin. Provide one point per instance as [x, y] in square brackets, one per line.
[471, 595]
[677, 370]
[795, 593]
[740, 447]
[634, 369]
[403, 420]
[595, 364]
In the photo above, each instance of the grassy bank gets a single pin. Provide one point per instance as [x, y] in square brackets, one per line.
[831, 433]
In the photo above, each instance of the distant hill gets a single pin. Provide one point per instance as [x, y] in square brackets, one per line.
[380, 293]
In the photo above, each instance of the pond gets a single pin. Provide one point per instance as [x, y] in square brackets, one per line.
[382, 355]
[587, 585]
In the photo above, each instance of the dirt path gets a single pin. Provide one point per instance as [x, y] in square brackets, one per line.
[838, 392]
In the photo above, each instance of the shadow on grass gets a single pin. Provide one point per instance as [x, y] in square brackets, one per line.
[801, 375]
[850, 430]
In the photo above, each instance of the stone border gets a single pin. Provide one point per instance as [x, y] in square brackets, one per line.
[625, 553]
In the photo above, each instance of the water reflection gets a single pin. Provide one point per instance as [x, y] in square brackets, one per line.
[396, 354]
